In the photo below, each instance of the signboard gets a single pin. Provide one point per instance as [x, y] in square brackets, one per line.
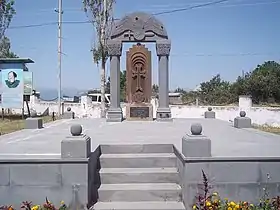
[12, 88]
[28, 83]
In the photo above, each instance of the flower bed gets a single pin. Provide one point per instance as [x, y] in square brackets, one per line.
[207, 200]
[27, 205]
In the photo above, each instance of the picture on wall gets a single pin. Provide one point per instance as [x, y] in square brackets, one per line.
[12, 88]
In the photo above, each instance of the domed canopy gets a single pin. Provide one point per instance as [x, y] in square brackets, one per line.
[139, 23]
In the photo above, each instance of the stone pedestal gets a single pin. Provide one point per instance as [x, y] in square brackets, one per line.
[34, 123]
[242, 121]
[114, 115]
[69, 115]
[163, 114]
[77, 145]
[210, 114]
[195, 144]
[139, 111]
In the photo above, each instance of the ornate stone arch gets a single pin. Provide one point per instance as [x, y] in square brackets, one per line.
[139, 27]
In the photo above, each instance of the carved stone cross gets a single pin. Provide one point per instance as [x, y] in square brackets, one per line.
[137, 73]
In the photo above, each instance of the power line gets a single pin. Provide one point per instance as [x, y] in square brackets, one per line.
[155, 14]
[190, 7]
[223, 54]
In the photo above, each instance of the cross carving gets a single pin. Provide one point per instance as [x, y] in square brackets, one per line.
[138, 72]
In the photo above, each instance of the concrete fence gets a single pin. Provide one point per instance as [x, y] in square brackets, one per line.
[74, 177]
[235, 178]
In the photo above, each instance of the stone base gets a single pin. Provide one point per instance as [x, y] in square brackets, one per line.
[68, 115]
[114, 115]
[210, 114]
[34, 123]
[164, 114]
[242, 122]
[139, 112]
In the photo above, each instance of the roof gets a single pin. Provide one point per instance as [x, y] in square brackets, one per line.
[16, 60]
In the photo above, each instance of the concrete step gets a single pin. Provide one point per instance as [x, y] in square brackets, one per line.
[140, 160]
[138, 175]
[140, 192]
[136, 148]
[170, 205]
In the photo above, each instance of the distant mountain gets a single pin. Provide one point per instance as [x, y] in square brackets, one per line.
[50, 94]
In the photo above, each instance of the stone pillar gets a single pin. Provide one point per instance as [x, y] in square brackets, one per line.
[195, 144]
[163, 51]
[69, 114]
[76, 146]
[245, 102]
[242, 121]
[210, 113]
[115, 51]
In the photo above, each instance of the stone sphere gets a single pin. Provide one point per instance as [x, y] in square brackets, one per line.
[242, 113]
[196, 129]
[68, 109]
[209, 109]
[76, 130]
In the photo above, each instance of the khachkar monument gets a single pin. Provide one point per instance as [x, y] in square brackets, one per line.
[138, 27]
[139, 83]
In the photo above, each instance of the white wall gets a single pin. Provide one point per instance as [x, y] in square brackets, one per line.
[259, 115]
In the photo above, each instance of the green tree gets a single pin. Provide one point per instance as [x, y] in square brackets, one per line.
[264, 82]
[216, 91]
[5, 48]
[7, 12]
[100, 14]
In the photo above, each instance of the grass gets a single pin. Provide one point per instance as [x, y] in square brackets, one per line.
[12, 125]
[275, 130]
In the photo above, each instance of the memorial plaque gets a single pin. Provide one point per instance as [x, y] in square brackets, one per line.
[139, 112]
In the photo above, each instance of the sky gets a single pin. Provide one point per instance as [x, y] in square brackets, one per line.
[225, 39]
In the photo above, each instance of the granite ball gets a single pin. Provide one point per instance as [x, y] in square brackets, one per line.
[209, 109]
[196, 129]
[242, 113]
[68, 109]
[76, 130]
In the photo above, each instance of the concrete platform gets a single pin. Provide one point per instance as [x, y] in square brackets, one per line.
[227, 141]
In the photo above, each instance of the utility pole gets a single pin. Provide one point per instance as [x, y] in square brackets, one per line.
[60, 12]
[102, 72]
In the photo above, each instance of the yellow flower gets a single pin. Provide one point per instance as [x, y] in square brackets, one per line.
[194, 207]
[232, 203]
[35, 207]
[208, 203]
[210, 208]
[237, 206]
[216, 201]
[62, 202]
[229, 208]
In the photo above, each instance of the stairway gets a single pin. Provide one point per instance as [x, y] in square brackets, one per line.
[142, 177]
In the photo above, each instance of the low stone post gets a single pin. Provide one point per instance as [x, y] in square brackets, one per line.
[69, 114]
[210, 113]
[76, 146]
[33, 123]
[196, 144]
[242, 121]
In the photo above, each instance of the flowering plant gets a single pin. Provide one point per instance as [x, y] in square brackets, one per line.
[212, 201]
[27, 205]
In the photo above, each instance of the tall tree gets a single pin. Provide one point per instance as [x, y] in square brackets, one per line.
[100, 14]
[7, 12]
[5, 48]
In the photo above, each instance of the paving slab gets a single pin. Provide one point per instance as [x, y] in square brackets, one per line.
[227, 141]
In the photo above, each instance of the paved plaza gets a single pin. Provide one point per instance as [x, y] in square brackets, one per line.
[227, 141]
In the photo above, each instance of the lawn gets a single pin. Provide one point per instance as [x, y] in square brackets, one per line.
[275, 130]
[12, 125]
